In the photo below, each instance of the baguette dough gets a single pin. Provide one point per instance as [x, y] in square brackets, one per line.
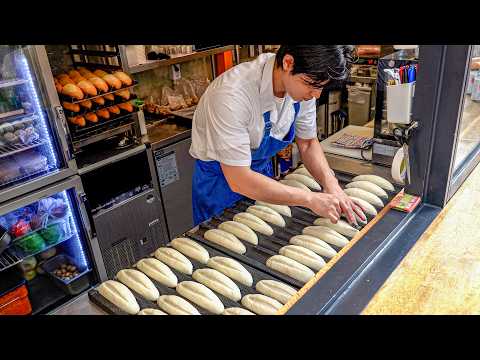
[303, 255]
[232, 268]
[303, 171]
[305, 180]
[368, 186]
[276, 290]
[174, 259]
[290, 268]
[267, 214]
[341, 226]
[326, 234]
[149, 311]
[200, 295]
[318, 246]
[295, 183]
[237, 311]
[281, 209]
[218, 282]
[261, 304]
[175, 305]
[367, 207]
[225, 239]
[378, 180]
[139, 282]
[191, 249]
[158, 271]
[240, 230]
[365, 195]
[119, 295]
[254, 223]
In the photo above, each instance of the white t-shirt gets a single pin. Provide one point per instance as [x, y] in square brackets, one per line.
[228, 122]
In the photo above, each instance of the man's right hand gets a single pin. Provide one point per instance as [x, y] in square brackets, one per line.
[325, 205]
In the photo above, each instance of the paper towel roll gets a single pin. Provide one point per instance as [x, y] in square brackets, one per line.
[399, 167]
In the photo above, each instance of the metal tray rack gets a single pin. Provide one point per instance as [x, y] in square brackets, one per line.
[257, 275]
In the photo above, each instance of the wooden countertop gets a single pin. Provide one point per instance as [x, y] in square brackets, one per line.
[441, 273]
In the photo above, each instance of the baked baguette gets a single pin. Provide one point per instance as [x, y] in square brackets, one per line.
[365, 195]
[175, 305]
[109, 97]
[303, 255]
[236, 311]
[365, 205]
[138, 282]
[378, 180]
[370, 187]
[225, 239]
[290, 267]
[201, 295]
[99, 83]
[87, 87]
[267, 214]
[191, 249]
[114, 109]
[112, 81]
[78, 120]
[73, 91]
[261, 304]
[254, 223]
[295, 183]
[326, 234]
[87, 104]
[125, 94]
[317, 245]
[70, 106]
[158, 271]
[100, 73]
[232, 268]
[149, 311]
[92, 117]
[103, 113]
[281, 209]
[276, 290]
[240, 230]
[74, 73]
[119, 295]
[305, 180]
[218, 282]
[341, 226]
[126, 107]
[174, 259]
[99, 100]
[124, 78]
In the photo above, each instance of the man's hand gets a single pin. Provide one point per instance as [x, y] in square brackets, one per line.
[348, 207]
[325, 205]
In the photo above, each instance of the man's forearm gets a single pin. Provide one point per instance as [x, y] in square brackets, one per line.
[315, 161]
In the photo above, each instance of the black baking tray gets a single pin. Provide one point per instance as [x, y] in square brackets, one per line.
[79, 133]
[69, 99]
[83, 111]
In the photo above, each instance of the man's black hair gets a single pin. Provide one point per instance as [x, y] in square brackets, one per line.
[319, 62]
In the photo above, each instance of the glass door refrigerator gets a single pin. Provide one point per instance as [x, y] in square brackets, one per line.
[47, 250]
[34, 151]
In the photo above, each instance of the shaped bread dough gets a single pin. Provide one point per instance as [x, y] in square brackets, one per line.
[232, 268]
[295, 183]
[303, 171]
[174, 259]
[341, 226]
[305, 180]
[225, 239]
[303, 255]
[218, 282]
[175, 305]
[261, 304]
[365, 195]
[267, 214]
[290, 267]
[378, 180]
[276, 290]
[317, 245]
[326, 234]
[157, 271]
[368, 208]
[240, 230]
[149, 311]
[119, 295]
[370, 187]
[281, 209]
[138, 282]
[254, 223]
[201, 295]
[191, 249]
[237, 311]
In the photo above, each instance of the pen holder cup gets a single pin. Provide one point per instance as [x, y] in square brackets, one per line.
[399, 103]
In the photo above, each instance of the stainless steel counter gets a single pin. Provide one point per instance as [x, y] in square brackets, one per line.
[79, 306]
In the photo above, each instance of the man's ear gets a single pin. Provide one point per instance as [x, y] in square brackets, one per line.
[288, 63]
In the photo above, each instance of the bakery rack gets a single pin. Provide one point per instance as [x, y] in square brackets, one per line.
[7, 150]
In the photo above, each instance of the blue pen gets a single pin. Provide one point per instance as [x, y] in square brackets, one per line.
[411, 74]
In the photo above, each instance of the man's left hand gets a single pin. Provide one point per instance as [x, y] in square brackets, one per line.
[349, 208]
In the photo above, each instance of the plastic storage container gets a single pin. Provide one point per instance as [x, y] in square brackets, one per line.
[73, 286]
[359, 105]
[14, 296]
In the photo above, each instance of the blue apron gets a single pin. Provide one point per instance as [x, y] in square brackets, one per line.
[211, 193]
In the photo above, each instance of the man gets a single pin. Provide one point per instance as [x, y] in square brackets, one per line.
[256, 109]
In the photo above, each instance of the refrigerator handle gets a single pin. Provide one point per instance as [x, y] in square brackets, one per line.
[88, 210]
[62, 119]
